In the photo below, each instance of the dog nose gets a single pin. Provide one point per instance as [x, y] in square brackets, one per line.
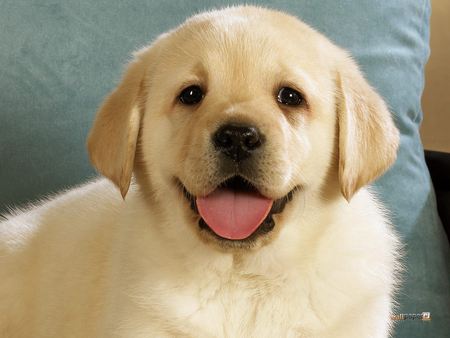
[237, 141]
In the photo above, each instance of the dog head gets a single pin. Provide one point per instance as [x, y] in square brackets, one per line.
[232, 116]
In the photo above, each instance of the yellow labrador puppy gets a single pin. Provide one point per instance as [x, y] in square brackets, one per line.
[241, 143]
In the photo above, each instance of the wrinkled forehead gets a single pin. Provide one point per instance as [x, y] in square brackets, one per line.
[239, 46]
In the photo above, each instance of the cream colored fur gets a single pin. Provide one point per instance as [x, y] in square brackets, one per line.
[87, 263]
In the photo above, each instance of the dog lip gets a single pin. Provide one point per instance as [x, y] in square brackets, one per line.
[191, 198]
[238, 182]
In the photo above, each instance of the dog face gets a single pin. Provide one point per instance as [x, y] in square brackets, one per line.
[232, 116]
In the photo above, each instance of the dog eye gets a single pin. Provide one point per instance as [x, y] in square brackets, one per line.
[191, 95]
[289, 97]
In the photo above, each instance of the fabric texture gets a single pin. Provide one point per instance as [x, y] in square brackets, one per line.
[59, 59]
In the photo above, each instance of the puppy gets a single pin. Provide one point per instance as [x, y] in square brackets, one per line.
[241, 143]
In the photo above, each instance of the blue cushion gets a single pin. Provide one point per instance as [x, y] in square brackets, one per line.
[59, 59]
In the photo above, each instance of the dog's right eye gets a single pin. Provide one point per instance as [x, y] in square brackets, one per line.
[289, 97]
[191, 95]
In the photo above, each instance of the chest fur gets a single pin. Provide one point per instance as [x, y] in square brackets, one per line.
[237, 306]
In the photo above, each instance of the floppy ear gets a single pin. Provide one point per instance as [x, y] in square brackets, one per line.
[368, 138]
[112, 140]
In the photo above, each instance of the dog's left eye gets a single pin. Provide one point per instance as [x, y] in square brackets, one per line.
[289, 97]
[191, 95]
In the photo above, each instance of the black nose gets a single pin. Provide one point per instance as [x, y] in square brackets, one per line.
[237, 141]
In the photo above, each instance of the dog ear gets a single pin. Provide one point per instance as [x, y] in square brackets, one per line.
[112, 140]
[368, 138]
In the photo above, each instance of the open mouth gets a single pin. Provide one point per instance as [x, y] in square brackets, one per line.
[236, 210]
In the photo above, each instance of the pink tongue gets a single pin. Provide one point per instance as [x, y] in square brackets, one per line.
[233, 214]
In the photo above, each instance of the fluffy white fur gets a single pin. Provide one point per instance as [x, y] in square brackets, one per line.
[87, 263]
